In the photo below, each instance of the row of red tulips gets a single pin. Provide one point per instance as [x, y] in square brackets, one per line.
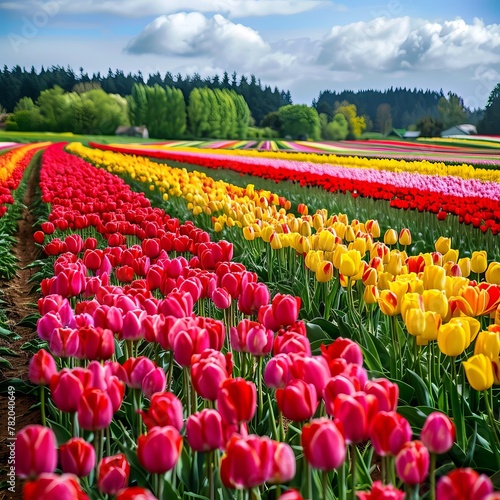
[133, 305]
[435, 194]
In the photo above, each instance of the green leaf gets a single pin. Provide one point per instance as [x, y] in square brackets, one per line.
[5, 363]
[8, 334]
[8, 352]
[421, 389]
[61, 432]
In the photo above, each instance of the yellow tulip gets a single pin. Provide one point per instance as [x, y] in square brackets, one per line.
[326, 240]
[275, 241]
[337, 255]
[479, 372]
[414, 320]
[454, 286]
[488, 343]
[350, 263]
[371, 294]
[411, 301]
[405, 237]
[248, 233]
[433, 322]
[453, 338]
[395, 263]
[266, 233]
[451, 255]
[434, 277]
[493, 273]
[305, 229]
[390, 237]
[442, 245]
[312, 260]
[479, 261]
[370, 277]
[358, 244]
[350, 235]
[384, 280]
[380, 250]
[435, 301]
[324, 272]
[464, 265]
[388, 303]
[373, 228]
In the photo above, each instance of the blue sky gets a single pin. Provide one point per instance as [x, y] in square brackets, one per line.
[302, 45]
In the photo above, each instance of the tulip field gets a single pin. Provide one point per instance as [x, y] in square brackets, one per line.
[227, 321]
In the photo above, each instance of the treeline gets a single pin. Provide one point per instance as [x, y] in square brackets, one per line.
[18, 82]
[89, 110]
[395, 107]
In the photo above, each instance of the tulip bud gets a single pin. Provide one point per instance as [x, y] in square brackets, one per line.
[479, 262]
[77, 457]
[41, 368]
[479, 372]
[35, 451]
[113, 474]
[442, 245]
[438, 433]
[48, 486]
[159, 450]
[412, 463]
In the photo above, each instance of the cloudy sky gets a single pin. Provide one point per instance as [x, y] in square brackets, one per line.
[302, 45]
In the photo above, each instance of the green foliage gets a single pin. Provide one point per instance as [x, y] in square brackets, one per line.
[176, 116]
[451, 110]
[337, 129]
[490, 124]
[356, 124]
[429, 127]
[299, 121]
[384, 118]
[92, 112]
[218, 114]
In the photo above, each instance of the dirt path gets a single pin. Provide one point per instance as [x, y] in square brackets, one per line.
[19, 304]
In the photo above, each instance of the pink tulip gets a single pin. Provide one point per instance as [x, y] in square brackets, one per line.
[49, 486]
[412, 462]
[297, 400]
[113, 474]
[159, 449]
[35, 451]
[95, 410]
[165, 409]
[41, 368]
[204, 431]
[438, 433]
[154, 381]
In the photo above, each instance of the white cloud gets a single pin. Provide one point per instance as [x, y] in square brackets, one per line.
[385, 44]
[137, 8]
[221, 42]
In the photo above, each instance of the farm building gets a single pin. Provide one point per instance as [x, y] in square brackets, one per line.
[465, 129]
[132, 131]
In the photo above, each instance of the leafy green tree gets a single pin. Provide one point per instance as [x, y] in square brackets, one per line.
[175, 119]
[356, 124]
[25, 103]
[490, 124]
[429, 127]
[384, 118]
[337, 129]
[54, 106]
[299, 121]
[451, 110]
[26, 120]
[137, 105]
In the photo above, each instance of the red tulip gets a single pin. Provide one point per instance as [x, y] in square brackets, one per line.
[381, 492]
[125, 274]
[64, 342]
[113, 474]
[186, 343]
[159, 449]
[356, 412]
[288, 342]
[204, 431]
[165, 409]
[412, 462]
[389, 433]
[464, 484]
[386, 392]
[237, 400]
[135, 493]
[35, 451]
[95, 410]
[291, 494]
[96, 342]
[252, 297]
[323, 444]
[41, 368]
[77, 457]
[136, 370]
[50, 486]
[339, 384]
[177, 304]
[438, 433]
[345, 349]
[297, 401]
